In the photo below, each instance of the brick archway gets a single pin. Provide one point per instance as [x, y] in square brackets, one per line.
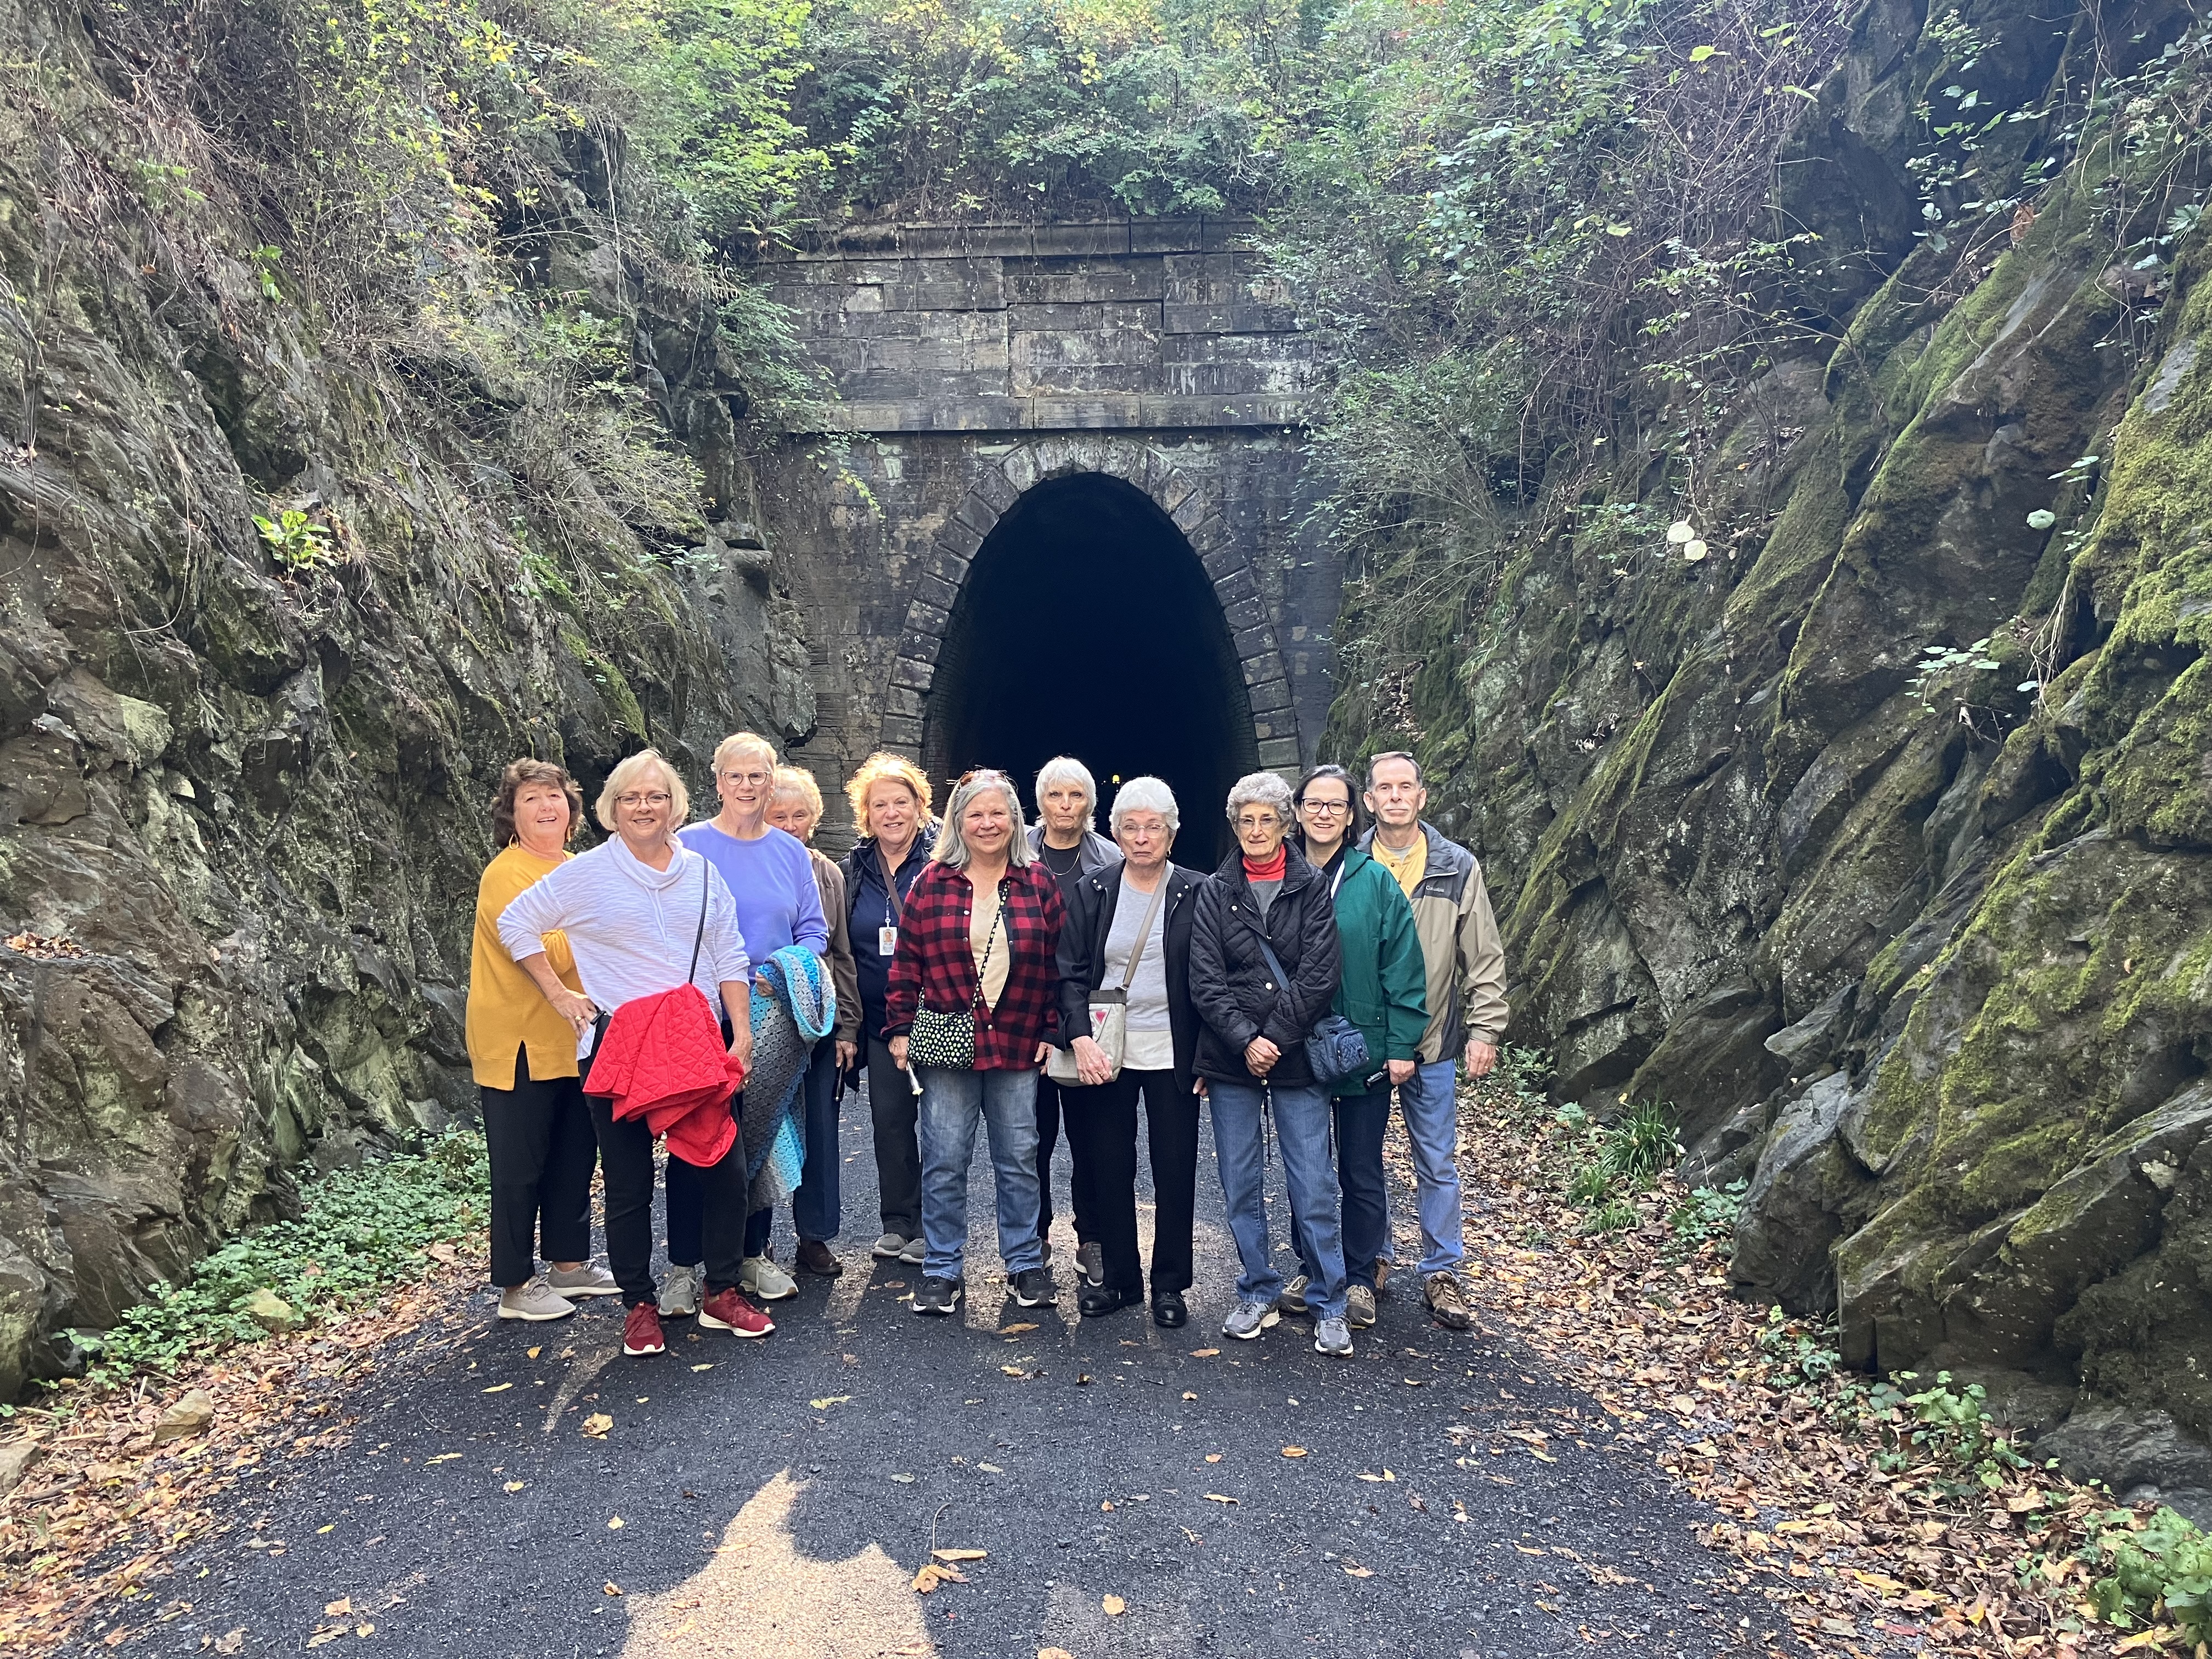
[1187, 501]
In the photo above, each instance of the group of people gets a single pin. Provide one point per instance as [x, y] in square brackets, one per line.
[1036, 980]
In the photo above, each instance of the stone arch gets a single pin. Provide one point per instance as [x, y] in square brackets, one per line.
[1189, 499]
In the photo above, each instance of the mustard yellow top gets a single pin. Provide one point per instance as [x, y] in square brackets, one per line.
[507, 1010]
[1409, 866]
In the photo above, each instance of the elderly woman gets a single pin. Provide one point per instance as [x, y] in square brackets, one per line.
[1128, 932]
[1065, 844]
[890, 802]
[1263, 973]
[642, 916]
[778, 904]
[794, 806]
[972, 993]
[538, 1132]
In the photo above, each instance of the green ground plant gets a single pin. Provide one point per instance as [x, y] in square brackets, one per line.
[2163, 1566]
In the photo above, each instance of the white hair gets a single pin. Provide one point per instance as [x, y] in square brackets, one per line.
[630, 772]
[1144, 795]
[952, 846]
[1261, 789]
[1066, 768]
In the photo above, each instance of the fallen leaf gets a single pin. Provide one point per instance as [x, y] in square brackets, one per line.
[1188, 1395]
[597, 1424]
[960, 1555]
[442, 1457]
[709, 1366]
[499, 1387]
[989, 1469]
[614, 1523]
[1218, 1497]
[1359, 1572]
[1213, 1457]
[1294, 1451]
[514, 1486]
[903, 1480]
[533, 1353]
[828, 1401]
[1204, 1353]
[1016, 1330]
[1113, 1606]
[231, 1641]
[364, 1630]
[1054, 1653]
[610, 1588]
[339, 1609]
[1013, 1370]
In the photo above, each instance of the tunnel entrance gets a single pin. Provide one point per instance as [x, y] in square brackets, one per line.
[1087, 626]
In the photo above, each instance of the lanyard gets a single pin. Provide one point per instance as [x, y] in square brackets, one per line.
[891, 888]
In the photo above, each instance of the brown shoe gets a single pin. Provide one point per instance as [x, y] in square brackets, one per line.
[1447, 1302]
[816, 1257]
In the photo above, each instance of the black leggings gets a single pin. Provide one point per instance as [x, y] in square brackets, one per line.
[538, 1137]
[1102, 1133]
[626, 1154]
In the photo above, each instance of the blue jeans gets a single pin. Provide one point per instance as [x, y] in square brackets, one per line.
[1360, 1120]
[1302, 1127]
[816, 1208]
[1430, 1106]
[950, 1103]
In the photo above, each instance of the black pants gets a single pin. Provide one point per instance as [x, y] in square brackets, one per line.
[539, 1138]
[694, 1195]
[894, 1110]
[1102, 1133]
[1051, 1109]
[626, 1155]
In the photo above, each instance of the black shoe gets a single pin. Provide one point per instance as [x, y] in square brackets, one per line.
[936, 1296]
[1168, 1312]
[1094, 1300]
[1033, 1287]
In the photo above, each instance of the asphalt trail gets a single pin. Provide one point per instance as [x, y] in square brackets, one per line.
[776, 1497]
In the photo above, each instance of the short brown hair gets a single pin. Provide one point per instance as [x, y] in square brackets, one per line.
[530, 770]
[1390, 755]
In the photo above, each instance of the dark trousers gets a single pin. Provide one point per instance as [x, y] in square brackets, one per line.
[1102, 1134]
[706, 1207]
[817, 1207]
[539, 1138]
[1051, 1109]
[895, 1112]
[1360, 1120]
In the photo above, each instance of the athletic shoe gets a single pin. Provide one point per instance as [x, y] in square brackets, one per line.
[937, 1295]
[816, 1258]
[726, 1310]
[763, 1279]
[1384, 1269]
[1358, 1307]
[1094, 1301]
[1090, 1260]
[1033, 1287]
[916, 1251]
[679, 1292]
[887, 1248]
[1447, 1300]
[1247, 1319]
[533, 1301]
[1293, 1298]
[1332, 1337]
[587, 1280]
[642, 1330]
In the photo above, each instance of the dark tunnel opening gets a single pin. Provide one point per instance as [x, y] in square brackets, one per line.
[1087, 627]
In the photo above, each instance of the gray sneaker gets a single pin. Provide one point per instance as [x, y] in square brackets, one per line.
[887, 1248]
[1090, 1260]
[586, 1280]
[1293, 1298]
[1247, 1319]
[679, 1292]
[916, 1251]
[534, 1301]
[1359, 1306]
[1333, 1336]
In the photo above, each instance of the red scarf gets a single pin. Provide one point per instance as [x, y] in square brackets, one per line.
[1271, 871]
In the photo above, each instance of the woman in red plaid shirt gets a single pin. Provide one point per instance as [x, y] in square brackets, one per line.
[980, 936]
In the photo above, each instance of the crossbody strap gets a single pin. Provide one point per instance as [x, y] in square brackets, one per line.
[1144, 933]
[998, 923]
[698, 933]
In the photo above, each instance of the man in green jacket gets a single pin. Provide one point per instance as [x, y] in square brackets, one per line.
[1384, 992]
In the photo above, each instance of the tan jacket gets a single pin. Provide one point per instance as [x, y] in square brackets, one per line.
[844, 976]
[1460, 945]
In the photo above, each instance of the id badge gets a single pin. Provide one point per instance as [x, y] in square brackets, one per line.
[886, 941]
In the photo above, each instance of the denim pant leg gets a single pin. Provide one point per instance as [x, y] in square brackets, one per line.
[1241, 1152]
[1304, 1129]
[1009, 1101]
[816, 1207]
[1430, 1104]
[1360, 1121]
[950, 1103]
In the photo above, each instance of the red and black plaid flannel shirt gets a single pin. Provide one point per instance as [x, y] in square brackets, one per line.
[935, 966]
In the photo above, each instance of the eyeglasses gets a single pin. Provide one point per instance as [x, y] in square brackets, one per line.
[1330, 807]
[754, 778]
[1267, 823]
[653, 797]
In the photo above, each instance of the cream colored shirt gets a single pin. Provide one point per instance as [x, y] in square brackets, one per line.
[991, 954]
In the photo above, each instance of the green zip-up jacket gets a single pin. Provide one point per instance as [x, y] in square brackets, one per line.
[1384, 990]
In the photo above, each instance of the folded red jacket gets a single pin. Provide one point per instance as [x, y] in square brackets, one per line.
[662, 1060]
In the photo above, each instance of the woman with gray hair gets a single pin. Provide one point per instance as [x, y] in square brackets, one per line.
[1264, 966]
[970, 1002]
[1066, 843]
[1127, 936]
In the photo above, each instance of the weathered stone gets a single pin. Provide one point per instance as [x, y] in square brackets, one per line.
[2143, 1456]
[17, 1457]
[271, 1311]
[185, 1416]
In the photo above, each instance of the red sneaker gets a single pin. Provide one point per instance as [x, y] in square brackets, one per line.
[726, 1310]
[642, 1330]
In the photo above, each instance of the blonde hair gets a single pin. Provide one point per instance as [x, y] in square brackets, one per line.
[882, 767]
[631, 770]
[952, 846]
[796, 780]
[738, 744]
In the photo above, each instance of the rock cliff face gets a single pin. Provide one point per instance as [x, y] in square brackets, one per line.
[242, 794]
[1922, 948]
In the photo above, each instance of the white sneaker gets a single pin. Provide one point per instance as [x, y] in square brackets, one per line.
[915, 1253]
[888, 1247]
[586, 1280]
[533, 1301]
[679, 1292]
[758, 1276]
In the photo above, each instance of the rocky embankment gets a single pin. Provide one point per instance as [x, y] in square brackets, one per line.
[243, 776]
[1879, 839]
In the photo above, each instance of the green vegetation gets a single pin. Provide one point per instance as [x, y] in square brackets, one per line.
[2161, 1567]
[295, 540]
[359, 1231]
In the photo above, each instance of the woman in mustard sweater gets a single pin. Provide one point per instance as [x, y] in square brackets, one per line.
[538, 1132]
